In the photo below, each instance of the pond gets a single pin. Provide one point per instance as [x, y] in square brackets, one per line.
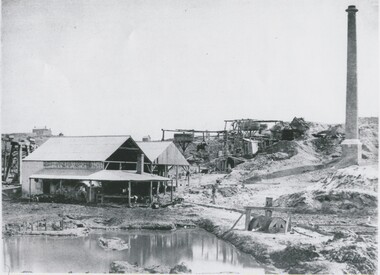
[201, 251]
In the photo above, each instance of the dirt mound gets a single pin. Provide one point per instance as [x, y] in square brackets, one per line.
[125, 267]
[229, 191]
[180, 269]
[315, 127]
[112, 244]
[261, 161]
[329, 201]
[313, 149]
[328, 146]
[293, 256]
[283, 146]
[344, 200]
[358, 252]
[368, 133]
[352, 188]
[282, 155]
[360, 260]
[353, 177]
[328, 138]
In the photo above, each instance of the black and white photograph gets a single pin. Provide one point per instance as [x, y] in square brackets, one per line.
[189, 136]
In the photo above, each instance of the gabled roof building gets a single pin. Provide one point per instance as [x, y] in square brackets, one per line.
[164, 156]
[163, 153]
[112, 163]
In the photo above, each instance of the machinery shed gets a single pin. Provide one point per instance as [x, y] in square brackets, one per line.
[163, 153]
[112, 163]
[165, 156]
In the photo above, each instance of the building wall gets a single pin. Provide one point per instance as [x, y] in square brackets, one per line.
[29, 168]
[74, 164]
[172, 156]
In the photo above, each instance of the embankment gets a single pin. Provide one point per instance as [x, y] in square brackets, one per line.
[278, 253]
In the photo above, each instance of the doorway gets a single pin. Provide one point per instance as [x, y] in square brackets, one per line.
[46, 187]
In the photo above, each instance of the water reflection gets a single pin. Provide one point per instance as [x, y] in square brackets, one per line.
[201, 251]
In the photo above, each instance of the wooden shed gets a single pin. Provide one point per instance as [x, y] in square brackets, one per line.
[110, 162]
[165, 156]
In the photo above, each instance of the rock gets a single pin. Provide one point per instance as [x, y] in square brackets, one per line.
[155, 205]
[293, 256]
[280, 156]
[228, 191]
[359, 259]
[125, 267]
[344, 234]
[180, 269]
[112, 244]
[161, 269]
[206, 193]
[99, 221]
[79, 224]
[193, 191]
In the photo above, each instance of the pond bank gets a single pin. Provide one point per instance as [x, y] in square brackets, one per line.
[242, 240]
[309, 252]
[326, 254]
[147, 251]
[125, 267]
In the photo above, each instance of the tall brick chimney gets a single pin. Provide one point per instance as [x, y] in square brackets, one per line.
[140, 164]
[351, 146]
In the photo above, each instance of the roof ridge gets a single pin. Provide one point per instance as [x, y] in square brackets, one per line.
[153, 141]
[81, 148]
[91, 136]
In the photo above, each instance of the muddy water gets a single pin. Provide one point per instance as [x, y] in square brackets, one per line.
[200, 250]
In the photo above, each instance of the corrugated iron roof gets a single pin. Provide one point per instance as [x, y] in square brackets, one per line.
[86, 148]
[163, 152]
[96, 175]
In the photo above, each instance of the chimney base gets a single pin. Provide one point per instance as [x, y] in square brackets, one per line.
[351, 152]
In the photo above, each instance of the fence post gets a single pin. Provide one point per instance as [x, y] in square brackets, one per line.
[171, 191]
[247, 217]
[268, 203]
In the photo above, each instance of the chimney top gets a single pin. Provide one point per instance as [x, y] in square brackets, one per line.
[351, 8]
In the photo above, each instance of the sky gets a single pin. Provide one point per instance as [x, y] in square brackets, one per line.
[91, 67]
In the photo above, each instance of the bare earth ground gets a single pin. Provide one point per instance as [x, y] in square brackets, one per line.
[320, 243]
[334, 221]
